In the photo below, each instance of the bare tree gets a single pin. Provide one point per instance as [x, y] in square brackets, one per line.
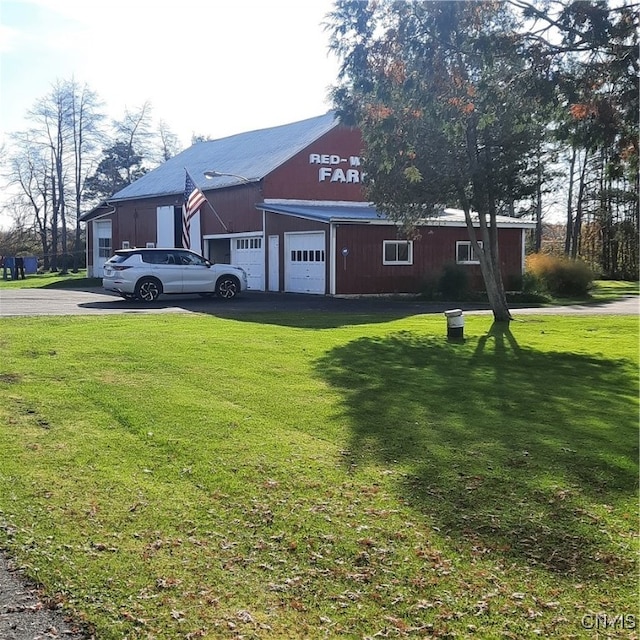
[66, 128]
[168, 142]
[86, 121]
[50, 115]
[29, 171]
[135, 131]
[129, 155]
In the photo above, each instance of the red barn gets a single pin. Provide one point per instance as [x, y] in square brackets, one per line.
[286, 204]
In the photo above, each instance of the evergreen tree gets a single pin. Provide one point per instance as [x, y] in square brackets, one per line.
[447, 106]
[117, 169]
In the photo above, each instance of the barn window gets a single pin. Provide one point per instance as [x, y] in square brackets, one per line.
[465, 253]
[248, 243]
[397, 252]
[104, 247]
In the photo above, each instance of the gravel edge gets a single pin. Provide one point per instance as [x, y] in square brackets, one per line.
[25, 614]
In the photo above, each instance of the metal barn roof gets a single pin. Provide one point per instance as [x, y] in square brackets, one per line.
[363, 212]
[253, 155]
[324, 211]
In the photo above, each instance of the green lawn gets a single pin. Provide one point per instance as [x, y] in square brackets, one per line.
[612, 289]
[312, 476]
[52, 281]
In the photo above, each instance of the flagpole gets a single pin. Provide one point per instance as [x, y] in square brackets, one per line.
[209, 203]
[186, 226]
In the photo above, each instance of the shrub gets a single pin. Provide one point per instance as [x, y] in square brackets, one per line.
[453, 283]
[514, 283]
[559, 275]
[429, 288]
[531, 283]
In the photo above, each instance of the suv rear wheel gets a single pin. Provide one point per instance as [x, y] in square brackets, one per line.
[148, 289]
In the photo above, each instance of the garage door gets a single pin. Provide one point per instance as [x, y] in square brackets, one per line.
[248, 253]
[304, 269]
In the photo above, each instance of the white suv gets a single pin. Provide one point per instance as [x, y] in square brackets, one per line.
[145, 274]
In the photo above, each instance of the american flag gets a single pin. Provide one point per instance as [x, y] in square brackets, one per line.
[193, 200]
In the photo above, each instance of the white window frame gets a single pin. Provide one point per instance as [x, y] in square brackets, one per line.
[150, 245]
[471, 252]
[408, 261]
[104, 247]
[126, 244]
[245, 244]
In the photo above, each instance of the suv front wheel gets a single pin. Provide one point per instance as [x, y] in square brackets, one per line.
[148, 289]
[227, 287]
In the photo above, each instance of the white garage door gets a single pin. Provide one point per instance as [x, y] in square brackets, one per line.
[304, 269]
[248, 253]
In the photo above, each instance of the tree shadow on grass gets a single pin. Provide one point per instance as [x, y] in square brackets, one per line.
[289, 310]
[505, 448]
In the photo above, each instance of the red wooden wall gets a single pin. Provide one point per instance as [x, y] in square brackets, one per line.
[362, 271]
[325, 170]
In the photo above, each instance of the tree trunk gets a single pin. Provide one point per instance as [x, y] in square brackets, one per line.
[492, 275]
[65, 250]
[489, 265]
[569, 229]
[488, 253]
[54, 226]
[76, 248]
[577, 223]
[538, 231]
[62, 204]
[43, 231]
[497, 299]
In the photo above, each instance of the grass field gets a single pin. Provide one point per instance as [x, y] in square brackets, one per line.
[307, 476]
[52, 281]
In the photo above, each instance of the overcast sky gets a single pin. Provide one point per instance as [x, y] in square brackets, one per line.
[209, 67]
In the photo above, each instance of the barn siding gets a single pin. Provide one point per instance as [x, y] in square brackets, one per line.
[299, 178]
[237, 208]
[135, 221]
[363, 271]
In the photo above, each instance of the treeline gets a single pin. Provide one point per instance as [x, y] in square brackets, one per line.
[596, 130]
[518, 107]
[68, 159]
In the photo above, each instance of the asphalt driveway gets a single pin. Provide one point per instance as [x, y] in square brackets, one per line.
[58, 302]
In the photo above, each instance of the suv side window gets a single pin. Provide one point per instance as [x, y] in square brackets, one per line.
[158, 257]
[185, 257]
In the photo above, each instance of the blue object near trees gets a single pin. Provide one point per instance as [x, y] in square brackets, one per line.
[16, 267]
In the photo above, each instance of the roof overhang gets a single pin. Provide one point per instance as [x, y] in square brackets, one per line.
[340, 212]
[103, 209]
